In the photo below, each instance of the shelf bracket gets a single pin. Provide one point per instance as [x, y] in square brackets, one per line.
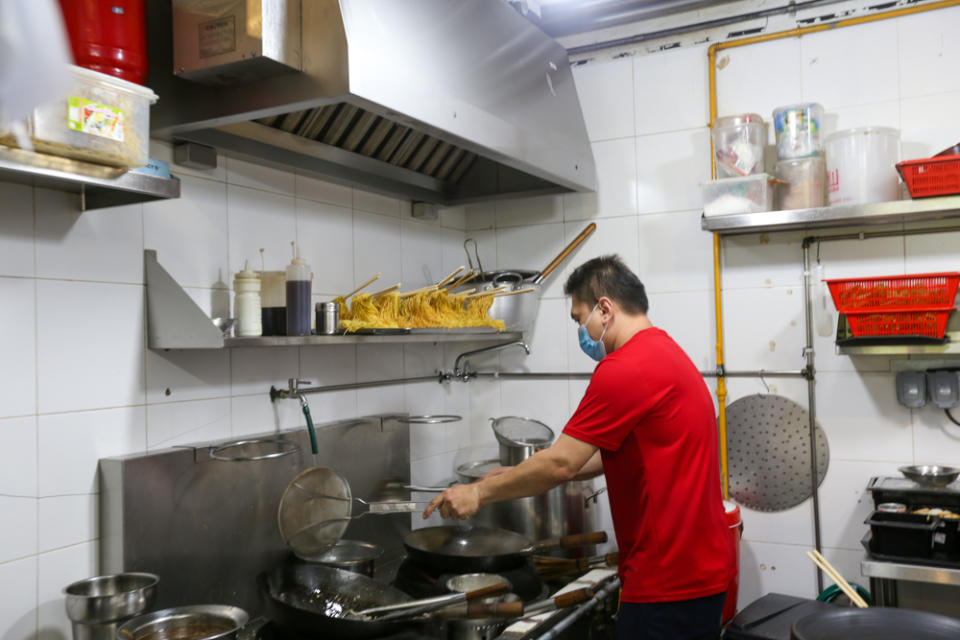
[174, 321]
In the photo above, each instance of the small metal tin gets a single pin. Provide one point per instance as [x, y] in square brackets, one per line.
[328, 318]
[892, 507]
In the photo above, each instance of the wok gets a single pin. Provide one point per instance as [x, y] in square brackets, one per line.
[452, 549]
[312, 599]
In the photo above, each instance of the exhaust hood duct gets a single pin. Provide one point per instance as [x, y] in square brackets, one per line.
[441, 101]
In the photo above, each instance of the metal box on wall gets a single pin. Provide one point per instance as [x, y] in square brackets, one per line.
[204, 517]
[225, 42]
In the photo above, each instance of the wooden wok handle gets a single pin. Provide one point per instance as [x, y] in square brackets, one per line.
[486, 592]
[477, 610]
[572, 598]
[566, 252]
[612, 559]
[583, 539]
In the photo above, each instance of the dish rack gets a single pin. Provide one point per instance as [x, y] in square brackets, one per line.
[908, 305]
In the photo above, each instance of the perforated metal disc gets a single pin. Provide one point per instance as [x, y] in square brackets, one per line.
[768, 452]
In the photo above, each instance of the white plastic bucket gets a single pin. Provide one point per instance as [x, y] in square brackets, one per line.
[860, 165]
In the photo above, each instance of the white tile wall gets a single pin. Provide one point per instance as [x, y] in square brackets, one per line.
[102, 393]
[104, 244]
[670, 90]
[16, 230]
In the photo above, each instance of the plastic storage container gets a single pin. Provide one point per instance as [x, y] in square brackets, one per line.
[861, 165]
[109, 36]
[738, 143]
[806, 183]
[797, 128]
[103, 120]
[752, 194]
[273, 303]
[902, 534]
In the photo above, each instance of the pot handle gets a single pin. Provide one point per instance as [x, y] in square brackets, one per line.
[565, 253]
[571, 542]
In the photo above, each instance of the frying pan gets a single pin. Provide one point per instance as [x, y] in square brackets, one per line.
[453, 549]
[308, 599]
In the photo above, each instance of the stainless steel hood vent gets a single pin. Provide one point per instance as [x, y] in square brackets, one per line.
[442, 101]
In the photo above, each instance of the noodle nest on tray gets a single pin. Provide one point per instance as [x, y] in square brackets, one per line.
[426, 309]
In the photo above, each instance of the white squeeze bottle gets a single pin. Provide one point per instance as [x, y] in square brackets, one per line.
[246, 302]
[298, 295]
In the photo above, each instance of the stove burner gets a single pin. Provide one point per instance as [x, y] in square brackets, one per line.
[420, 582]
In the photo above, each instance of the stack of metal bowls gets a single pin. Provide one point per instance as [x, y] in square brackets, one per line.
[97, 606]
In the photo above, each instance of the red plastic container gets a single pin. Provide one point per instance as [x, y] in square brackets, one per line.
[109, 36]
[888, 292]
[929, 322]
[736, 531]
[927, 177]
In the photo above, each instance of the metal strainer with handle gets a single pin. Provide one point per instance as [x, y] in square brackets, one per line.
[520, 438]
[317, 506]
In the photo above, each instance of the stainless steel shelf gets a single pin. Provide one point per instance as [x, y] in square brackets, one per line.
[98, 185]
[912, 572]
[877, 213]
[419, 337]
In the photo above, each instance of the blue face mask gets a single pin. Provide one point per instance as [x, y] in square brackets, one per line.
[591, 347]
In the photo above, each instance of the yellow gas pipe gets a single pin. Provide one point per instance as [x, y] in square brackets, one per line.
[717, 279]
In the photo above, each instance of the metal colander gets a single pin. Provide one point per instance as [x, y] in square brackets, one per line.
[314, 510]
[522, 432]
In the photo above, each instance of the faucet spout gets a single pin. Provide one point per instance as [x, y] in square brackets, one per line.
[460, 364]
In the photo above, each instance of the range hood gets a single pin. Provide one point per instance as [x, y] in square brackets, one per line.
[440, 101]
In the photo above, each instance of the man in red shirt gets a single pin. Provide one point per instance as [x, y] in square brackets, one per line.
[646, 422]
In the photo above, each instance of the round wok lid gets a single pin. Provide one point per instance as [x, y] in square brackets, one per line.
[875, 623]
[467, 542]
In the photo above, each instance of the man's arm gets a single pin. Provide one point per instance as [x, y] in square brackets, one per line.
[565, 460]
[592, 469]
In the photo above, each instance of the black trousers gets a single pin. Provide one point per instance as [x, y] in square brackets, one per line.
[697, 619]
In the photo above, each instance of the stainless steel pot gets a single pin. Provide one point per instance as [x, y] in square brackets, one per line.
[97, 606]
[193, 622]
[519, 311]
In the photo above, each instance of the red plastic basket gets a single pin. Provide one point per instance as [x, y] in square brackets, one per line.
[889, 292]
[930, 322]
[937, 176]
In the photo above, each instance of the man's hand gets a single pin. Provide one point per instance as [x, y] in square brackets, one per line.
[460, 501]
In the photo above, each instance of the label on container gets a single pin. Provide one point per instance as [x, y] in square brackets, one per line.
[94, 118]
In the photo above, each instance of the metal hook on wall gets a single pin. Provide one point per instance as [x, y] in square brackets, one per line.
[764, 381]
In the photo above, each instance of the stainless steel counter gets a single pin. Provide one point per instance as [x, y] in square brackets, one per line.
[885, 575]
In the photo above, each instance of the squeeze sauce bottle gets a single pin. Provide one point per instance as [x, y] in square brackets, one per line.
[246, 304]
[298, 295]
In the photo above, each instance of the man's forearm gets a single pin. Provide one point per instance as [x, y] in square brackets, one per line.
[531, 477]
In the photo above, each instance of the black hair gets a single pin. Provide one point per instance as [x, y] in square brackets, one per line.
[607, 276]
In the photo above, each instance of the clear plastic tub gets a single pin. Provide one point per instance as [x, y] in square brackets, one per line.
[738, 143]
[798, 130]
[729, 196]
[861, 165]
[104, 120]
[806, 180]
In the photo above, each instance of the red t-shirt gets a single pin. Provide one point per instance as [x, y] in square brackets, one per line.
[650, 413]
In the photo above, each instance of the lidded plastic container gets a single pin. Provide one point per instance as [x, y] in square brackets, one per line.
[738, 143]
[729, 196]
[273, 302]
[806, 180]
[298, 296]
[246, 302]
[861, 165]
[798, 130]
[103, 120]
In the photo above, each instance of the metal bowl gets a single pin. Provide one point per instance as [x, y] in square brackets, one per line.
[350, 555]
[105, 599]
[195, 622]
[931, 475]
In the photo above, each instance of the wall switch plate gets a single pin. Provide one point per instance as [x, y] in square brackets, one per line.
[912, 389]
[943, 388]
